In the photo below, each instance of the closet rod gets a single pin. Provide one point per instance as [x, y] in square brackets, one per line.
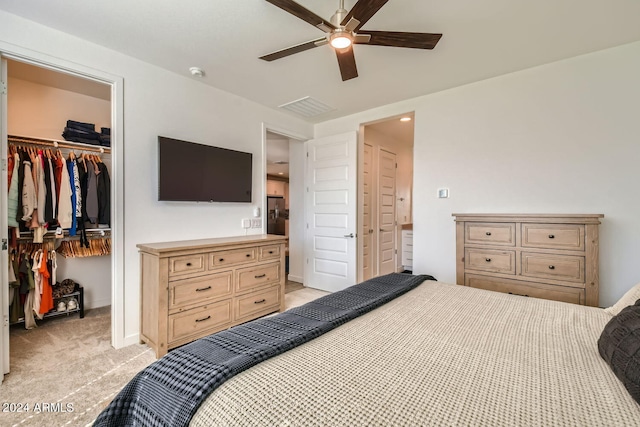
[57, 144]
[90, 232]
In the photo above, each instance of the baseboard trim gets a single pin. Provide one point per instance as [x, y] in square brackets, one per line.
[294, 278]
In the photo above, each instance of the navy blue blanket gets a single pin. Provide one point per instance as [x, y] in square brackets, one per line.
[169, 391]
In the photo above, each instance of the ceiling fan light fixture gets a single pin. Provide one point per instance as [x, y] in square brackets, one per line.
[340, 40]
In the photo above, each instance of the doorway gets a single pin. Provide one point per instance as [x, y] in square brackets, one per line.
[385, 190]
[31, 121]
[283, 205]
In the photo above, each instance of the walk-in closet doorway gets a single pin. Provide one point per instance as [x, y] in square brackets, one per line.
[39, 95]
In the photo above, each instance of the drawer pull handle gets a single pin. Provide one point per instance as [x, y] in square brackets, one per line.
[488, 259]
[188, 264]
[203, 319]
[551, 236]
[488, 233]
[260, 302]
[552, 267]
[221, 259]
[203, 289]
[261, 276]
[248, 255]
[270, 252]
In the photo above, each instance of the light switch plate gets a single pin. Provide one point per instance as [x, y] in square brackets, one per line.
[443, 193]
[246, 223]
[256, 223]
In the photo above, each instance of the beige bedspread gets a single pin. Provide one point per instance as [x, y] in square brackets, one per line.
[440, 355]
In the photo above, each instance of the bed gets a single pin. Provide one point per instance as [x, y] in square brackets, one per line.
[441, 355]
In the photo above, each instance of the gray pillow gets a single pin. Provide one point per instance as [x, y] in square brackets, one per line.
[619, 346]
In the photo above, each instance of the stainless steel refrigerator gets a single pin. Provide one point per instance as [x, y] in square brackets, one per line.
[276, 214]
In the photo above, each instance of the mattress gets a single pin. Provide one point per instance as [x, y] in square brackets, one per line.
[439, 355]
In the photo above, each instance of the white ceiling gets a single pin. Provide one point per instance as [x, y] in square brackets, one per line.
[481, 39]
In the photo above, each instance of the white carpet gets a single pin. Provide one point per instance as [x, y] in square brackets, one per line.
[66, 370]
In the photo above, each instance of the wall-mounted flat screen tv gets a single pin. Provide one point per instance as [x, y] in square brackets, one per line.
[191, 172]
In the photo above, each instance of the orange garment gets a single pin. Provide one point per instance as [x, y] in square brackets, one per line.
[46, 301]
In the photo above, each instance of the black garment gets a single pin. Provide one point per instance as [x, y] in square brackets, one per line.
[84, 185]
[80, 135]
[79, 125]
[48, 204]
[104, 195]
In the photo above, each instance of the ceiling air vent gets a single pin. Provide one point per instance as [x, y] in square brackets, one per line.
[307, 107]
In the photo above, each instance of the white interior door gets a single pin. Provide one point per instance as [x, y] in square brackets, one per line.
[331, 207]
[386, 212]
[367, 214]
[4, 258]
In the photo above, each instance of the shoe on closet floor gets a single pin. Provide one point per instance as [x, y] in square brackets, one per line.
[62, 306]
[72, 304]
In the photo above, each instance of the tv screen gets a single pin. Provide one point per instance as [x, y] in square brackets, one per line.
[202, 173]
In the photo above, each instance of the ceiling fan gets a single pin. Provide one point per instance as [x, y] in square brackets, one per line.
[343, 31]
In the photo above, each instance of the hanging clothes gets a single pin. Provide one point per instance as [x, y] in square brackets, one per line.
[12, 204]
[29, 196]
[46, 296]
[65, 202]
[27, 283]
[73, 178]
[17, 308]
[49, 206]
[38, 168]
[37, 281]
[104, 195]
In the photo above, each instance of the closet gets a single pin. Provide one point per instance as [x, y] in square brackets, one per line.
[40, 102]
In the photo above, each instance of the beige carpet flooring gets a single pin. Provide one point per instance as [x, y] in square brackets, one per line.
[66, 370]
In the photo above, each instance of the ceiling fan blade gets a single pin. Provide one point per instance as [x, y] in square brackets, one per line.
[294, 49]
[347, 63]
[302, 13]
[402, 39]
[351, 25]
[363, 10]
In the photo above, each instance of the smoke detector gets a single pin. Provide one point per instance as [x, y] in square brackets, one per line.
[196, 71]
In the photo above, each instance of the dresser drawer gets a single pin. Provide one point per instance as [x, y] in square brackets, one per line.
[251, 277]
[503, 234]
[199, 290]
[253, 304]
[407, 237]
[553, 236]
[186, 264]
[269, 252]
[231, 257]
[198, 320]
[491, 260]
[560, 267]
[535, 290]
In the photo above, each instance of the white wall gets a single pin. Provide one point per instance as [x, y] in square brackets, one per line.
[42, 111]
[561, 138]
[158, 102]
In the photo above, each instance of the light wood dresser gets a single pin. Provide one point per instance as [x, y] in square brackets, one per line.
[191, 289]
[538, 255]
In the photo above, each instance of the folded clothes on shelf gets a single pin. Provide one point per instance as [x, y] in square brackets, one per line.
[85, 133]
[72, 124]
